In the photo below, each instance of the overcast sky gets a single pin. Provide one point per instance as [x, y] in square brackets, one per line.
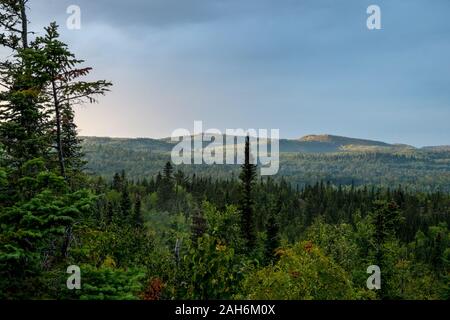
[302, 66]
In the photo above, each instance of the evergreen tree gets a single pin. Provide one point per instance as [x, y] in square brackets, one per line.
[168, 172]
[180, 178]
[138, 219]
[72, 151]
[117, 183]
[166, 188]
[61, 71]
[23, 120]
[246, 203]
[34, 227]
[125, 204]
[272, 232]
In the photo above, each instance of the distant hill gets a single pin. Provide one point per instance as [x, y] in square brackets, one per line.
[339, 160]
[306, 144]
[342, 141]
[135, 144]
[324, 143]
[437, 149]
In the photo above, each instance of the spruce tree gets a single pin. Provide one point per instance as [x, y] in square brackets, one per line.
[272, 231]
[23, 120]
[125, 204]
[166, 185]
[246, 203]
[63, 90]
[137, 213]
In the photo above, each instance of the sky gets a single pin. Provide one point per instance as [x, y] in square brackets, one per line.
[301, 66]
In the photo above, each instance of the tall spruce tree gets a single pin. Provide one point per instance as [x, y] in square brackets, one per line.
[386, 219]
[246, 203]
[23, 120]
[64, 89]
[138, 220]
[166, 187]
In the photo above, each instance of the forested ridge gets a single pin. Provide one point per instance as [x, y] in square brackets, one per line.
[188, 232]
[425, 169]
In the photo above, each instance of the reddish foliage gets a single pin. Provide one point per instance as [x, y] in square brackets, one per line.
[294, 274]
[308, 246]
[153, 290]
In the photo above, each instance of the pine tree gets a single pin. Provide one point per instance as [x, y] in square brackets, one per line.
[166, 186]
[34, 227]
[61, 72]
[180, 178]
[125, 204]
[272, 232]
[117, 183]
[23, 120]
[168, 172]
[246, 203]
[72, 150]
[138, 219]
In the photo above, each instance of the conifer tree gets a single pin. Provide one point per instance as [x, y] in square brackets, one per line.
[272, 232]
[63, 90]
[125, 204]
[138, 219]
[168, 172]
[165, 190]
[117, 182]
[22, 116]
[246, 203]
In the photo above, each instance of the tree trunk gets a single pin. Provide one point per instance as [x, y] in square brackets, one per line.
[23, 18]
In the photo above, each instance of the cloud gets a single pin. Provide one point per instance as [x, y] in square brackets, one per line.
[307, 65]
[166, 13]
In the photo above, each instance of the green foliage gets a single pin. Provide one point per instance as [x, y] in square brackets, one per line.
[426, 170]
[246, 199]
[302, 273]
[224, 225]
[108, 283]
[33, 229]
[210, 270]
[336, 241]
[197, 232]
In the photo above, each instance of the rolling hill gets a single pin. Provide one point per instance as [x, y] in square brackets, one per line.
[338, 160]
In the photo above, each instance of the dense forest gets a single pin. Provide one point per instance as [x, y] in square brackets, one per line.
[425, 169]
[178, 234]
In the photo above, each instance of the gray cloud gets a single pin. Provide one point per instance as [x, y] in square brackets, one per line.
[304, 66]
